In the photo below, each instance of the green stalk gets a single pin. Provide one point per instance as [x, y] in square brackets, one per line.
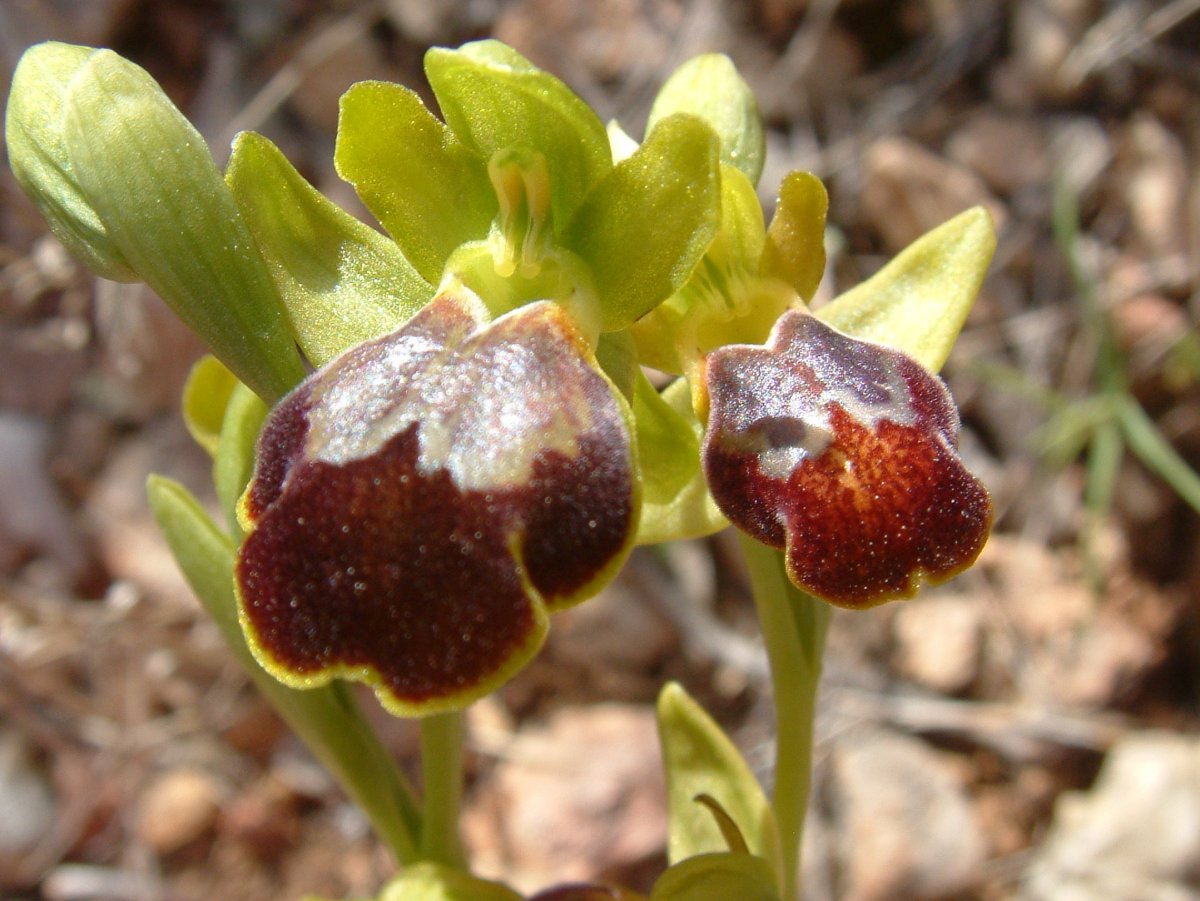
[442, 772]
[793, 625]
[327, 719]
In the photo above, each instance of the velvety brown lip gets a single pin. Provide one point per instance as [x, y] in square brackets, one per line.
[375, 560]
[844, 453]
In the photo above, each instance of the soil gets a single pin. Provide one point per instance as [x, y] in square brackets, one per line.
[1029, 730]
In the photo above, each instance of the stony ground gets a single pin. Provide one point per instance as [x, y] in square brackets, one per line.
[1030, 730]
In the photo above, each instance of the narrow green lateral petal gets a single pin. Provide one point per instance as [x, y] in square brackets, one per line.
[677, 503]
[148, 175]
[327, 719]
[646, 226]
[40, 160]
[699, 759]
[919, 301]
[710, 87]
[494, 99]
[723, 301]
[431, 882]
[427, 188]
[234, 460]
[668, 444]
[795, 246]
[205, 397]
[341, 281]
[712, 876]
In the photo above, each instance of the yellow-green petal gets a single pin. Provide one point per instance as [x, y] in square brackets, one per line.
[647, 224]
[205, 397]
[710, 87]
[795, 245]
[919, 301]
[425, 186]
[341, 281]
[495, 100]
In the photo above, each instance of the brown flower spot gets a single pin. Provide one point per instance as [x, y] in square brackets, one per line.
[422, 502]
[844, 453]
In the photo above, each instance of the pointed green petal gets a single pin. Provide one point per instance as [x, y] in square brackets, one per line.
[710, 87]
[428, 189]
[341, 281]
[147, 174]
[699, 759]
[646, 226]
[676, 502]
[723, 301]
[919, 301]
[40, 160]
[795, 247]
[494, 99]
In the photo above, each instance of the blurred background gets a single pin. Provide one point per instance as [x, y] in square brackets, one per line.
[1030, 730]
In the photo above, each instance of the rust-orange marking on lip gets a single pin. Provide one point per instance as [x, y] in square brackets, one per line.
[844, 453]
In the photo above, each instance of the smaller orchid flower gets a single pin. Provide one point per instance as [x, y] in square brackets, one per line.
[844, 453]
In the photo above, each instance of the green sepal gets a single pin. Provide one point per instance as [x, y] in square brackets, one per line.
[710, 87]
[699, 759]
[327, 719]
[795, 241]
[710, 876]
[341, 281]
[234, 461]
[646, 226]
[41, 161]
[427, 881]
[425, 186]
[494, 99]
[919, 301]
[724, 301]
[676, 501]
[147, 174]
[205, 397]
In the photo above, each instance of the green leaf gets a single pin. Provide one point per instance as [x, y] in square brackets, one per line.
[205, 396]
[327, 719]
[699, 759]
[41, 162]
[341, 281]
[676, 501]
[644, 228]
[494, 100]
[795, 246]
[710, 87]
[432, 882]
[712, 876]
[148, 175]
[919, 301]
[234, 460]
[427, 188]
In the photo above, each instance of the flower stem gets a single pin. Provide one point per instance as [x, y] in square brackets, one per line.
[793, 625]
[442, 771]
